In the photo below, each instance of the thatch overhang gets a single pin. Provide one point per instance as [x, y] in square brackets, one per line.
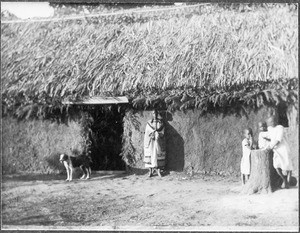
[223, 59]
[99, 100]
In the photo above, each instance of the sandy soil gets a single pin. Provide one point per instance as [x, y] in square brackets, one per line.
[176, 200]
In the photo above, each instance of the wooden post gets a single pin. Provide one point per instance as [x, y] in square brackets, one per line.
[263, 176]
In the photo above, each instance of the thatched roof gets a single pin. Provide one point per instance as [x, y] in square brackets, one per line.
[219, 57]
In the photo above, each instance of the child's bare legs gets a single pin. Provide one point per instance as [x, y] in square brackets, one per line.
[243, 179]
[247, 178]
[284, 184]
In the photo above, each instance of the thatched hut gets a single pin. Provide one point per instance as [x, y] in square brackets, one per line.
[212, 73]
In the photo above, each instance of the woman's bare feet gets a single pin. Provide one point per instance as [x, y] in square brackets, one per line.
[284, 185]
[150, 172]
[158, 172]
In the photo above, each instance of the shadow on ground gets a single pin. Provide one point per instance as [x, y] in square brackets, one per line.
[95, 175]
[53, 177]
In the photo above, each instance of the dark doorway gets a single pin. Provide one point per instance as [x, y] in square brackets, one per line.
[281, 111]
[105, 135]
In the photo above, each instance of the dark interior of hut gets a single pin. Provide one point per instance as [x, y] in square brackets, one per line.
[281, 111]
[104, 134]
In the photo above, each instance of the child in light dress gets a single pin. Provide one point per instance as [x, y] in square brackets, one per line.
[263, 137]
[247, 145]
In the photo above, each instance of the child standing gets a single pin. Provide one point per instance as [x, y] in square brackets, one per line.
[247, 145]
[263, 138]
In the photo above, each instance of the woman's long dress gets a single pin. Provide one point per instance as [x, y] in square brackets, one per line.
[154, 144]
[281, 158]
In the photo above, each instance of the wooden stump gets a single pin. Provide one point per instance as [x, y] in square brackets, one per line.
[263, 177]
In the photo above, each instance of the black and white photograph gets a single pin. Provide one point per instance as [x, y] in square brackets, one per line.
[149, 116]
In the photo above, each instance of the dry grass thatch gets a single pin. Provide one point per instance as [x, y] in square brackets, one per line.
[208, 60]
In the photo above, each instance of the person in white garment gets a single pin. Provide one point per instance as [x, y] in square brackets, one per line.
[278, 143]
[263, 138]
[247, 145]
[154, 144]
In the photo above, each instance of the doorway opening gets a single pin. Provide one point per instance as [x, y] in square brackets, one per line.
[105, 136]
[281, 112]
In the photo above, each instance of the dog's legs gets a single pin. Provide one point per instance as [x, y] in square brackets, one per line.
[83, 170]
[88, 171]
[67, 168]
[71, 173]
[68, 173]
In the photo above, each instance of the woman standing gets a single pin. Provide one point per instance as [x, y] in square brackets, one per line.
[279, 145]
[154, 144]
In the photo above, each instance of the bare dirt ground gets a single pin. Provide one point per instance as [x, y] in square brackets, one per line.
[175, 201]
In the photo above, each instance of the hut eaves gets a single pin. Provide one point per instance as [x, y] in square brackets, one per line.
[100, 100]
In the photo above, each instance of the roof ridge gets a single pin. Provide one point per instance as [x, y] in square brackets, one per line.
[101, 14]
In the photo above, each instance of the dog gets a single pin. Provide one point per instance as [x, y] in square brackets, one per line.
[71, 162]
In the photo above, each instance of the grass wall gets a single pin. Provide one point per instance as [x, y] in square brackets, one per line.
[210, 143]
[34, 146]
